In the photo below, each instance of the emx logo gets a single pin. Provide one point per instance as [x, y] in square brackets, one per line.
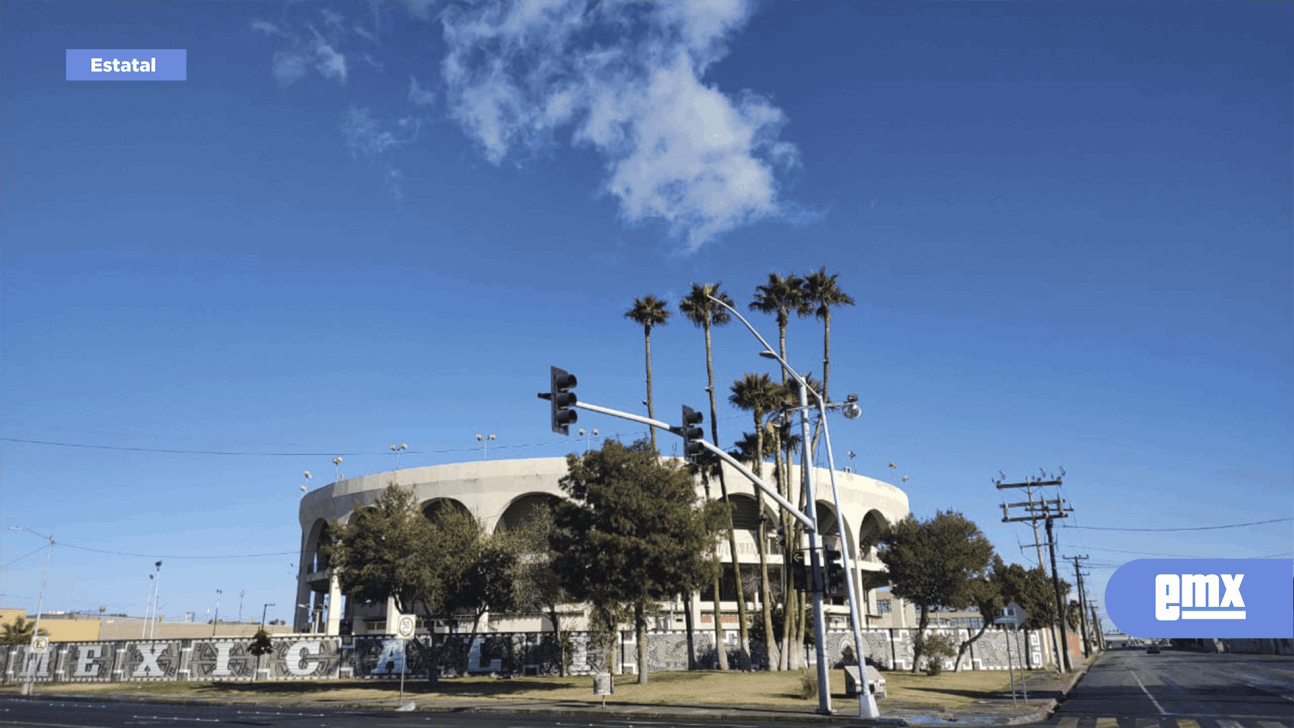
[1195, 596]
[1202, 598]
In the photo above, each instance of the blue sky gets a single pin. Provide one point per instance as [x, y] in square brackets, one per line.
[1067, 227]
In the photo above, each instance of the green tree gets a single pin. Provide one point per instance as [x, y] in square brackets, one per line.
[758, 395]
[19, 632]
[631, 533]
[649, 311]
[986, 595]
[536, 583]
[698, 308]
[934, 564]
[392, 550]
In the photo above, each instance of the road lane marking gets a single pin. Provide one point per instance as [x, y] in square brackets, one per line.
[1187, 723]
[1068, 721]
[1107, 723]
[1158, 707]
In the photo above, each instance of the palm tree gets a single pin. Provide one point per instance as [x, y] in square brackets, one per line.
[821, 294]
[649, 311]
[758, 395]
[706, 314]
[788, 396]
[781, 296]
[19, 632]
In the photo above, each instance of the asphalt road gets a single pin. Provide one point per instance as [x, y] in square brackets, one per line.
[1177, 689]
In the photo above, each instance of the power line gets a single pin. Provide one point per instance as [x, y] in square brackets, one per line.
[1194, 528]
[154, 556]
[27, 555]
[165, 556]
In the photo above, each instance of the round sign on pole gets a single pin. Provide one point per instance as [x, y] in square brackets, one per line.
[405, 626]
[39, 645]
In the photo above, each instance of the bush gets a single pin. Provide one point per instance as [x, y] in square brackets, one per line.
[935, 649]
[261, 644]
[808, 685]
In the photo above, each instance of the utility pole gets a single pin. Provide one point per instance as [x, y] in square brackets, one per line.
[1046, 511]
[1082, 603]
[1055, 582]
[1096, 629]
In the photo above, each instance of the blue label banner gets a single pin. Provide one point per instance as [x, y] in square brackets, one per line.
[137, 64]
[1202, 598]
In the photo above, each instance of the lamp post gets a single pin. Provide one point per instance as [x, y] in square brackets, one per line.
[157, 599]
[216, 621]
[588, 438]
[397, 449]
[40, 604]
[148, 609]
[485, 443]
[866, 703]
[263, 610]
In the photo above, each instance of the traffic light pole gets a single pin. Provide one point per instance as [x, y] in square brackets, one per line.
[866, 703]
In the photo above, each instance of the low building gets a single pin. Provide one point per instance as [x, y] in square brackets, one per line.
[506, 493]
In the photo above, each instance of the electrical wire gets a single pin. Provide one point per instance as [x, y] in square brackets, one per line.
[166, 556]
[1193, 528]
[27, 555]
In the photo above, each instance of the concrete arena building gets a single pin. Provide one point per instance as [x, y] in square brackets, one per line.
[504, 493]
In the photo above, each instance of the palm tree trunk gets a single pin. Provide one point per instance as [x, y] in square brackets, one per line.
[721, 654]
[651, 414]
[770, 661]
[743, 649]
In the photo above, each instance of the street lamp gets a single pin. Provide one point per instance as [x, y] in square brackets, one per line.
[588, 438]
[866, 703]
[157, 598]
[263, 610]
[216, 621]
[485, 443]
[396, 449]
[40, 605]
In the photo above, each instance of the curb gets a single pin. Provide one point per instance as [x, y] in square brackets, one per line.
[1041, 714]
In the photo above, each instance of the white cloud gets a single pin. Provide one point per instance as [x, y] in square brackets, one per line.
[329, 63]
[366, 138]
[627, 79]
[266, 27]
[419, 95]
[305, 52]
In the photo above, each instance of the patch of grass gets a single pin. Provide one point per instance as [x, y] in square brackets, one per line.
[792, 689]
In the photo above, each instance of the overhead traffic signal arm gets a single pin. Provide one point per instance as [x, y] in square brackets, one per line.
[563, 403]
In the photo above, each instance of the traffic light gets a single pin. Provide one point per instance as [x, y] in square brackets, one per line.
[693, 451]
[835, 573]
[562, 400]
[799, 572]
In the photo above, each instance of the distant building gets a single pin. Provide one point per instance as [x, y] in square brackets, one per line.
[89, 627]
[505, 493]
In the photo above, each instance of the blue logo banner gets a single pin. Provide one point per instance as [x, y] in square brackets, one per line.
[116, 64]
[1202, 598]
